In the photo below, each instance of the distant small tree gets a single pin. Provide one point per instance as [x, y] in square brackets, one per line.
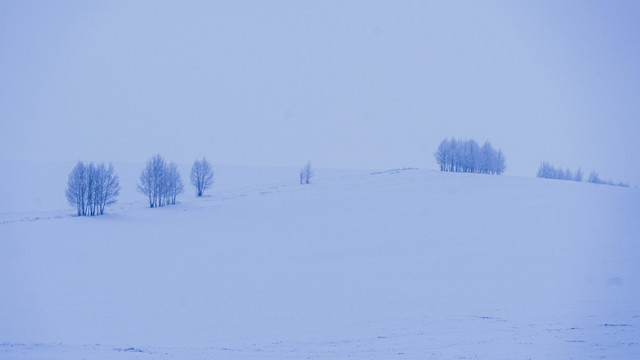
[91, 188]
[579, 175]
[306, 173]
[500, 163]
[594, 178]
[201, 176]
[546, 171]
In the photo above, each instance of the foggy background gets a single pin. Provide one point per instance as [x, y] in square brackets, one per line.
[355, 84]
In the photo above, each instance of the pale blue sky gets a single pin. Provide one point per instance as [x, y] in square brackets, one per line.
[355, 84]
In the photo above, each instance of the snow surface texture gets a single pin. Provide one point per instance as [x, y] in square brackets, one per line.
[402, 264]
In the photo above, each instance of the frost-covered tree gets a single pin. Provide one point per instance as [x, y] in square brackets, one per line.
[173, 184]
[442, 156]
[486, 158]
[152, 180]
[201, 176]
[91, 188]
[499, 164]
[467, 156]
[594, 178]
[470, 156]
[548, 171]
[306, 173]
[146, 184]
[107, 187]
[159, 182]
[76, 191]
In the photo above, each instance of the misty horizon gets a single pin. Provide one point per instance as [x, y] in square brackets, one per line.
[370, 85]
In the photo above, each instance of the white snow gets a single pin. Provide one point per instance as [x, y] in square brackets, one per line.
[407, 264]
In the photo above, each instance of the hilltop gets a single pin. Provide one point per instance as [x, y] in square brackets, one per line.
[406, 263]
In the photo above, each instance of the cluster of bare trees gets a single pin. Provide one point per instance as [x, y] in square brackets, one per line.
[548, 171]
[91, 188]
[595, 179]
[201, 176]
[306, 173]
[160, 182]
[466, 156]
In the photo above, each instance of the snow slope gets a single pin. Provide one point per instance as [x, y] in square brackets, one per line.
[409, 264]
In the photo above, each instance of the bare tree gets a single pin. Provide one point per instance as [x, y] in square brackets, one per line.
[161, 183]
[91, 188]
[76, 188]
[152, 180]
[109, 188]
[595, 178]
[440, 154]
[173, 183]
[306, 173]
[466, 156]
[499, 165]
[146, 184]
[486, 157]
[548, 171]
[201, 176]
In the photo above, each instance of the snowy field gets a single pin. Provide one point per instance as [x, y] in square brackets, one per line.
[411, 264]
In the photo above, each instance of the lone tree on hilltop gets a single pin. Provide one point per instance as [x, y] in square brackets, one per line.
[91, 188]
[201, 176]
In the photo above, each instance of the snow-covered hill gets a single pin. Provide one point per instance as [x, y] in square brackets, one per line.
[406, 264]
